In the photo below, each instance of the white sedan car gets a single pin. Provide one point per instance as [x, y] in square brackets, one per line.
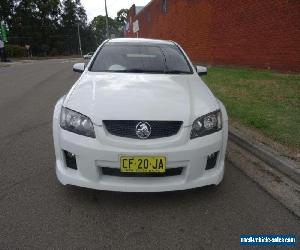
[140, 119]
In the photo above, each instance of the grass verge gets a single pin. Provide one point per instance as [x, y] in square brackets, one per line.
[267, 101]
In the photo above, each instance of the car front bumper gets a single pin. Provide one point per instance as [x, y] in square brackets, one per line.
[92, 155]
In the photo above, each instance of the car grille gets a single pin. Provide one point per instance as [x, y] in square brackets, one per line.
[118, 173]
[127, 129]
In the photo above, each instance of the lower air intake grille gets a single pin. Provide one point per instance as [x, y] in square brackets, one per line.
[117, 172]
[128, 128]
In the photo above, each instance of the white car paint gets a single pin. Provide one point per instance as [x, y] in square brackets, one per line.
[142, 96]
[132, 96]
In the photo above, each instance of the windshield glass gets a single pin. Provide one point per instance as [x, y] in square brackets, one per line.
[136, 58]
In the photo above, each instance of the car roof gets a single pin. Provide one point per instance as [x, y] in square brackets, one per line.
[140, 41]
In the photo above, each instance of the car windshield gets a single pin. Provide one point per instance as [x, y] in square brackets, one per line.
[136, 58]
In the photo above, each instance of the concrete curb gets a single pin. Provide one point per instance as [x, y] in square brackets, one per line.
[266, 154]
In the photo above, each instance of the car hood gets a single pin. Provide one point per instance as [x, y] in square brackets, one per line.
[124, 96]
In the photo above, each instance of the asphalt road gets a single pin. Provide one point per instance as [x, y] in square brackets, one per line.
[38, 212]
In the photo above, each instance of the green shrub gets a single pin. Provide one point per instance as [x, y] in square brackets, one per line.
[54, 52]
[15, 51]
[44, 49]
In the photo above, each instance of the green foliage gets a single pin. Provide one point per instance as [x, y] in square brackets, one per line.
[98, 26]
[45, 49]
[6, 10]
[73, 14]
[15, 51]
[122, 17]
[54, 52]
[264, 100]
[51, 27]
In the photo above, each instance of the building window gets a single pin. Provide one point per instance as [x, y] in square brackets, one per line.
[164, 6]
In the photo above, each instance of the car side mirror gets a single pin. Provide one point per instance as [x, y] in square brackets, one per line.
[201, 70]
[78, 67]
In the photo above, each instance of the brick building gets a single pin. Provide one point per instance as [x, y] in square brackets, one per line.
[254, 33]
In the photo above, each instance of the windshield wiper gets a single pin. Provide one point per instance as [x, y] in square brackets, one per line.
[137, 71]
[177, 72]
[150, 71]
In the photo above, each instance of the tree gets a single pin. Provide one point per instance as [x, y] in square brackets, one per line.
[73, 14]
[34, 22]
[98, 26]
[6, 10]
[48, 16]
[49, 26]
[88, 39]
[122, 17]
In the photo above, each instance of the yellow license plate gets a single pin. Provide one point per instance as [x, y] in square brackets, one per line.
[143, 164]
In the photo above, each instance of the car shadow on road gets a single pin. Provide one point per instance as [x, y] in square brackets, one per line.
[109, 198]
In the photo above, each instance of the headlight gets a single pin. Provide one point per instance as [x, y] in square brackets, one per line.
[76, 123]
[207, 124]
